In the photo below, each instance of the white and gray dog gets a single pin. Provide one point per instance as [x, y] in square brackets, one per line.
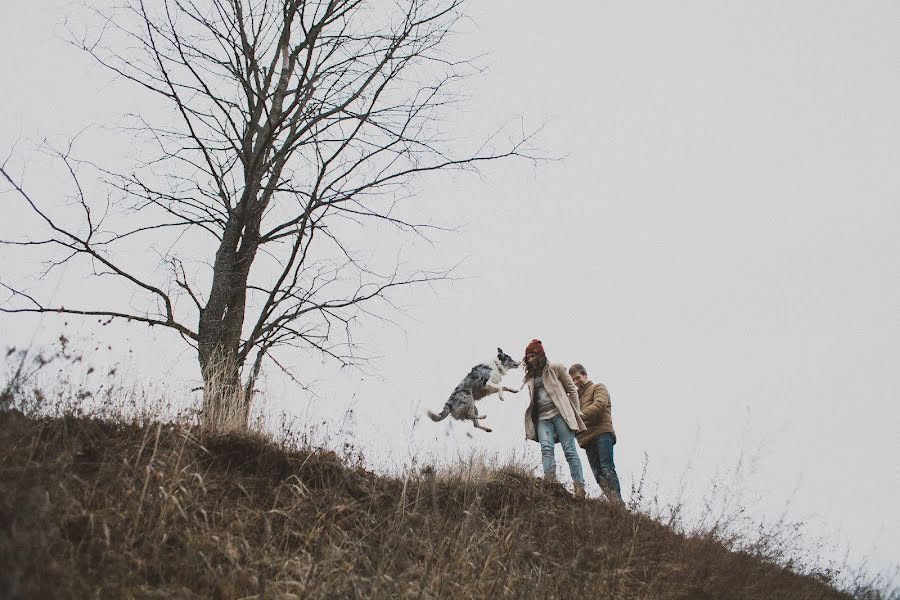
[483, 380]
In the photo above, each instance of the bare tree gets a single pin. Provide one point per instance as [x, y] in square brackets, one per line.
[293, 119]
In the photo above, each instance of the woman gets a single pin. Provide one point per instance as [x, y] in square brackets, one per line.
[553, 413]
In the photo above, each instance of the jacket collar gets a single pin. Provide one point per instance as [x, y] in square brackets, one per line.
[585, 385]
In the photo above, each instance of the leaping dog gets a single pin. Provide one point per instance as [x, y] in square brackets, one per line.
[483, 380]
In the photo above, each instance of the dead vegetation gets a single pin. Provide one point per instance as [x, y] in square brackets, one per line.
[94, 508]
[106, 493]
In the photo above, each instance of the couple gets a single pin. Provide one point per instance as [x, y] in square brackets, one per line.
[566, 406]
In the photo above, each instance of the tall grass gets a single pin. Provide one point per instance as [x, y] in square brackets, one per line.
[112, 491]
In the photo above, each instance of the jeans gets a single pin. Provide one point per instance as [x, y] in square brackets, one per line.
[600, 456]
[547, 431]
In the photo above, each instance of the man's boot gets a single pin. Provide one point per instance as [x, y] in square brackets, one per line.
[579, 490]
[550, 477]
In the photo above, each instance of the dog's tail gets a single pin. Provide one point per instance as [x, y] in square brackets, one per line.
[440, 417]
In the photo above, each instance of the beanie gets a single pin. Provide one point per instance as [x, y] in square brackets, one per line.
[534, 346]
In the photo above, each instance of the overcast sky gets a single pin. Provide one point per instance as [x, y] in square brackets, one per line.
[720, 244]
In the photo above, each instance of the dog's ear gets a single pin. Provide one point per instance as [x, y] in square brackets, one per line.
[499, 352]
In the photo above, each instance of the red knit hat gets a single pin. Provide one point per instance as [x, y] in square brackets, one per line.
[535, 346]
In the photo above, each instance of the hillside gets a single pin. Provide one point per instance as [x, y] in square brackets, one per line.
[98, 509]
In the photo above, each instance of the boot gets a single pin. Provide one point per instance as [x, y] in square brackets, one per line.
[550, 477]
[579, 490]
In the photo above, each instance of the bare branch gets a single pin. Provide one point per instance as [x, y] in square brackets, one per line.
[294, 125]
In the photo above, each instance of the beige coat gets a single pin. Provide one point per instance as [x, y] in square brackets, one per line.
[596, 409]
[564, 394]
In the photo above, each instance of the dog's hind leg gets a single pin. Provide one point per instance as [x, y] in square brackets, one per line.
[480, 426]
[475, 417]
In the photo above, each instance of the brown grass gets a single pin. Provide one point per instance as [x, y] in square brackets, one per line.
[113, 493]
[94, 508]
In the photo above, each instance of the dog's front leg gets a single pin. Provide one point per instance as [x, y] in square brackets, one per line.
[502, 388]
[493, 388]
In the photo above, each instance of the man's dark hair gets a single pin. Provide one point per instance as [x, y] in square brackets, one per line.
[577, 368]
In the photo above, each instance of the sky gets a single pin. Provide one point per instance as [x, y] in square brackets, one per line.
[718, 244]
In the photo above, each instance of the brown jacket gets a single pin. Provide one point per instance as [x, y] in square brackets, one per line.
[597, 410]
[564, 395]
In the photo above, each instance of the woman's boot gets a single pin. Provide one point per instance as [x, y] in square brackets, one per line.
[579, 490]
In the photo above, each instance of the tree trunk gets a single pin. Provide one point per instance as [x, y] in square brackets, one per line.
[225, 404]
[225, 407]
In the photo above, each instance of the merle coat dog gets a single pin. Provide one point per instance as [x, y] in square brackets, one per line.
[483, 380]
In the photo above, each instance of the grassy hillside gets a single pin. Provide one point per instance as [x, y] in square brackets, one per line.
[98, 509]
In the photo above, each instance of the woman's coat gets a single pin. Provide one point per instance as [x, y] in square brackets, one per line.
[564, 394]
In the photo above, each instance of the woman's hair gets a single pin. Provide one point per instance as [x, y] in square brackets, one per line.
[537, 369]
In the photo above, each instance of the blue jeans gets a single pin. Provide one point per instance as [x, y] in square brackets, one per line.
[547, 431]
[600, 455]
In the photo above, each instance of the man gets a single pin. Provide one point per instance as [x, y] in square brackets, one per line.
[599, 437]
[552, 413]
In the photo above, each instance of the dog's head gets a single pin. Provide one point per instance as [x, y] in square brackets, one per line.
[505, 360]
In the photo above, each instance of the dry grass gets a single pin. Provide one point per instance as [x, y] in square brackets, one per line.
[136, 508]
[98, 509]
